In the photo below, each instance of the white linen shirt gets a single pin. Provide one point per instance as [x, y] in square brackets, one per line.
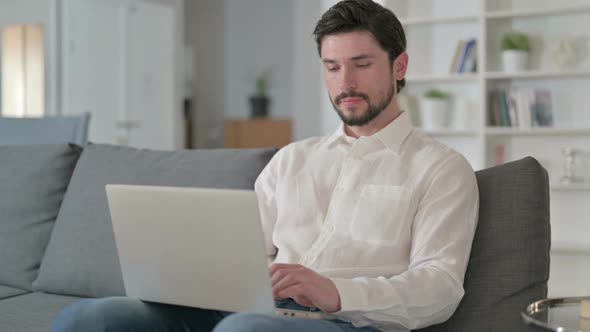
[389, 218]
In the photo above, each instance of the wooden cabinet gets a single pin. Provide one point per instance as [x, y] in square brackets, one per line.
[257, 133]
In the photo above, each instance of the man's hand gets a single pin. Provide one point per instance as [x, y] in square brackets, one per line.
[304, 286]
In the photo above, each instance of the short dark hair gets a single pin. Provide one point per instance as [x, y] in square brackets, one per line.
[364, 15]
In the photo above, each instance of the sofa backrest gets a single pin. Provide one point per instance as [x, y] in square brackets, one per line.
[81, 258]
[509, 263]
[33, 181]
[45, 130]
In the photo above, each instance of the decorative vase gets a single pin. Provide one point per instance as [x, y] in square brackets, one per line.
[434, 113]
[259, 106]
[514, 61]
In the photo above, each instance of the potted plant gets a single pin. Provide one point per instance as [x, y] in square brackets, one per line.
[259, 101]
[515, 50]
[434, 109]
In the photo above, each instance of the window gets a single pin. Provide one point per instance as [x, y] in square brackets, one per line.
[23, 69]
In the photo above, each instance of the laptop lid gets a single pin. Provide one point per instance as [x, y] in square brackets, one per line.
[193, 247]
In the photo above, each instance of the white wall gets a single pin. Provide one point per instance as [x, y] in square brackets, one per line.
[21, 11]
[307, 71]
[205, 26]
[257, 37]
[329, 119]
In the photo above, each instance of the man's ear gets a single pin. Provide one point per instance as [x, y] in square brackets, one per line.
[400, 66]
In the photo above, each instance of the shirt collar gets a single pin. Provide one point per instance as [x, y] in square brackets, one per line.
[392, 136]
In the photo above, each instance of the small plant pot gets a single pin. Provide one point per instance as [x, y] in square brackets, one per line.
[259, 106]
[514, 61]
[434, 113]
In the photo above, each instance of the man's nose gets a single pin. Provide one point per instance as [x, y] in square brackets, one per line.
[348, 81]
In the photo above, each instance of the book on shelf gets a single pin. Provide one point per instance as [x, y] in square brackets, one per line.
[505, 110]
[458, 52]
[542, 109]
[520, 108]
[465, 57]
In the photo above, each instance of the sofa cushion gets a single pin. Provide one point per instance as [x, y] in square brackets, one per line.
[81, 258]
[33, 181]
[32, 312]
[6, 292]
[509, 263]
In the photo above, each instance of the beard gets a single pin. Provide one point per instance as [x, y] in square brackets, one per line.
[373, 109]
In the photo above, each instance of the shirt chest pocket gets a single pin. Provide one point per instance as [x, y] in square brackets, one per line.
[381, 214]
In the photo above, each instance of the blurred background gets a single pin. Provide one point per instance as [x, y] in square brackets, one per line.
[495, 79]
[162, 73]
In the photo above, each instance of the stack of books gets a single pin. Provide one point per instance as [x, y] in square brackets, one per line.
[521, 108]
[465, 58]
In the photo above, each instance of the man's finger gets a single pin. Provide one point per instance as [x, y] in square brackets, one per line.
[298, 289]
[302, 300]
[279, 273]
[279, 266]
[288, 280]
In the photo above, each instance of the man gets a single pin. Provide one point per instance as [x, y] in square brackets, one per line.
[373, 223]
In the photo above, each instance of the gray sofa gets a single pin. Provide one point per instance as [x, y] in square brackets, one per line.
[57, 246]
[44, 130]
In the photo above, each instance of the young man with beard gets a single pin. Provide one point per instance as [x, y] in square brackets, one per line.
[372, 223]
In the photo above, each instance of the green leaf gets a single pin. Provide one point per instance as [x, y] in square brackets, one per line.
[516, 41]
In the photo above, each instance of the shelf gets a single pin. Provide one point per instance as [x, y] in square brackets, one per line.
[538, 131]
[538, 74]
[438, 20]
[449, 132]
[449, 78]
[568, 249]
[537, 12]
[571, 187]
[433, 40]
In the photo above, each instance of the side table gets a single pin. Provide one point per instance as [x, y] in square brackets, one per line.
[560, 315]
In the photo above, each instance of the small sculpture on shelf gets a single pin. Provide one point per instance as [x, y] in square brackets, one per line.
[568, 53]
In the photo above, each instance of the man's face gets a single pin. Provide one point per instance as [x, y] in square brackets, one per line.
[358, 75]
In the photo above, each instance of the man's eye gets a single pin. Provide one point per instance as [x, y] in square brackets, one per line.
[363, 65]
[333, 69]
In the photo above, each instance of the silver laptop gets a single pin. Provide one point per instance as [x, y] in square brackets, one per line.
[193, 247]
